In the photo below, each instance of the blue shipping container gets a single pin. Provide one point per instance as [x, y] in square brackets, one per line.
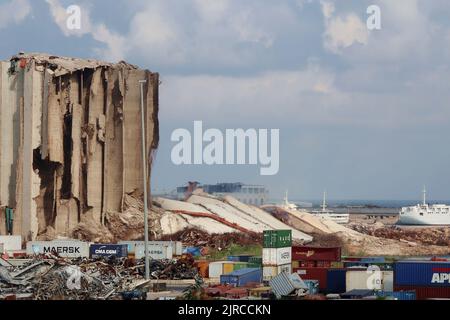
[373, 260]
[239, 258]
[422, 273]
[241, 277]
[313, 286]
[336, 280]
[108, 250]
[400, 295]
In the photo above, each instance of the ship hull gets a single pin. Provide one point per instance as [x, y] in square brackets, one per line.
[338, 218]
[417, 220]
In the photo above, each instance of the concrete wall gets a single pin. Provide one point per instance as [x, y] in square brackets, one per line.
[70, 140]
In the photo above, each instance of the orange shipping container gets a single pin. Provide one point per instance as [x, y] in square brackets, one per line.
[203, 268]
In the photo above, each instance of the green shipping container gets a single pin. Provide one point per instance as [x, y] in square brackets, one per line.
[277, 238]
[240, 265]
[255, 261]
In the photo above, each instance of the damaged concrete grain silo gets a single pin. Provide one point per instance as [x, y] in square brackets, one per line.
[70, 140]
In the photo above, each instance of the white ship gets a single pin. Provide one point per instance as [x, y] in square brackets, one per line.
[425, 214]
[294, 206]
[341, 218]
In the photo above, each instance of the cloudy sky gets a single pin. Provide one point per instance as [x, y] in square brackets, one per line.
[363, 114]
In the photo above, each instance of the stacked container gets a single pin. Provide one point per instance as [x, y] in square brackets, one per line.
[218, 268]
[242, 277]
[429, 279]
[277, 253]
[313, 263]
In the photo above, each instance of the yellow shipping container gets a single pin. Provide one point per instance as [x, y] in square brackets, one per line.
[228, 268]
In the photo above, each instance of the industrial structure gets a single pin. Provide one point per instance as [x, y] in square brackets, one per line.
[70, 140]
[246, 193]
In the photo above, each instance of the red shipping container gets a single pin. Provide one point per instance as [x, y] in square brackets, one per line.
[423, 293]
[323, 264]
[306, 253]
[237, 293]
[307, 264]
[319, 274]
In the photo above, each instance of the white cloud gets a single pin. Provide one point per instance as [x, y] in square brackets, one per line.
[14, 11]
[342, 31]
[115, 44]
[327, 8]
[204, 33]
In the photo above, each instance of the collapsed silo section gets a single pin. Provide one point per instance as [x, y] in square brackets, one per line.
[70, 140]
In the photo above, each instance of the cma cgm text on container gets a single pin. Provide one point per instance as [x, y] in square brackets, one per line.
[422, 273]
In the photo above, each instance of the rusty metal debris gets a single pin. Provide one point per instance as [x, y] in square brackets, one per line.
[200, 238]
[49, 277]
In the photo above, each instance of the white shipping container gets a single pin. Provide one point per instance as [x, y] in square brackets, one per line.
[270, 272]
[155, 251]
[276, 256]
[216, 269]
[177, 246]
[11, 243]
[64, 248]
[370, 279]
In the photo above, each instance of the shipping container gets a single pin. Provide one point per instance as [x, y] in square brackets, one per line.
[270, 272]
[11, 243]
[422, 273]
[307, 253]
[372, 260]
[336, 280]
[240, 278]
[240, 265]
[277, 238]
[323, 264]
[202, 267]
[369, 279]
[423, 293]
[108, 250]
[399, 295]
[155, 251]
[285, 284]
[218, 268]
[358, 294]
[307, 264]
[319, 274]
[236, 293]
[255, 261]
[313, 286]
[177, 246]
[239, 258]
[63, 248]
[276, 256]
[228, 267]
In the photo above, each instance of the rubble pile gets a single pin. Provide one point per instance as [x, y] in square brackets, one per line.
[200, 238]
[439, 236]
[53, 278]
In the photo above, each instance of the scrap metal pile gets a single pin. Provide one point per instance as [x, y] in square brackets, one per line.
[197, 237]
[53, 278]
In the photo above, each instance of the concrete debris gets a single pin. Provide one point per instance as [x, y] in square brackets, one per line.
[71, 142]
[365, 239]
[53, 278]
[439, 236]
[200, 238]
